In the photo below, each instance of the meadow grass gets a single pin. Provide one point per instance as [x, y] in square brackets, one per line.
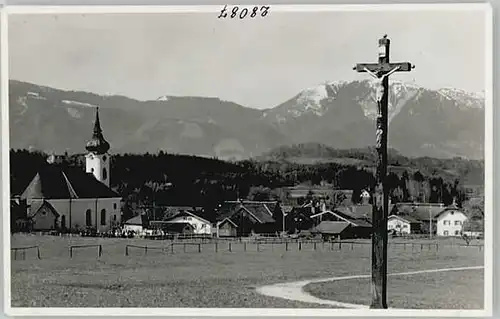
[217, 279]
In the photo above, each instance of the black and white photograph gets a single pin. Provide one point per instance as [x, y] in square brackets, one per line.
[249, 160]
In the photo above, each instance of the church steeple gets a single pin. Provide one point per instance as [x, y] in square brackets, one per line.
[98, 144]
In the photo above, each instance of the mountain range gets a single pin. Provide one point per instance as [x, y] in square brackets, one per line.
[436, 123]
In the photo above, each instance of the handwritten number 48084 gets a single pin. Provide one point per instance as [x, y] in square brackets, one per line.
[237, 12]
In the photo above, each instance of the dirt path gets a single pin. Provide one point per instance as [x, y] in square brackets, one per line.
[294, 290]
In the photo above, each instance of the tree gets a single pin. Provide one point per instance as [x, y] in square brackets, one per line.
[260, 193]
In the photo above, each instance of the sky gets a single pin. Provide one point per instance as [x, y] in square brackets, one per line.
[257, 63]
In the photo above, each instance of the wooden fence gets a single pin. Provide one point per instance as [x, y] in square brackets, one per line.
[23, 251]
[99, 249]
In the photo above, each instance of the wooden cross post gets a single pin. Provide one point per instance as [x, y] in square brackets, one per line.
[381, 71]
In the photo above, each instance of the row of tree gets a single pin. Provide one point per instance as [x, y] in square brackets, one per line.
[169, 179]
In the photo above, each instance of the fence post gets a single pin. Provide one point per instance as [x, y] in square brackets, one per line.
[340, 244]
[184, 247]
[437, 247]
[145, 250]
[314, 245]
[199, 248]
[245, 246]
[126, 250]
[15, 254]
[216, 247]
[286, 246]
[300, 245]
[258, 246]
[230, 247]
[38, 252]
[352, 245]
[70, 252]
[100, 250]
[421, 247]
[172, 247]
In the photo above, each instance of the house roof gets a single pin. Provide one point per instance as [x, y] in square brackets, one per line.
[176, 227]
[419, 211]
[228, 220]
[185, 213]
[259, 210]
[408, 219]
[358, 216]
[331, 227]
[55, 182]
[37, 205]
[137, 220]
[347, 218]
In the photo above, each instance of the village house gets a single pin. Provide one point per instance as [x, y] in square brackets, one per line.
[403, 224]
[69, 199]
[444, 221]
[450, 221]
[137, 224]
[225, 228]
[199, 225]
[351, 222]
[251, 217]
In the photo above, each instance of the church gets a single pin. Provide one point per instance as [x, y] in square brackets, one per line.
[70, 199]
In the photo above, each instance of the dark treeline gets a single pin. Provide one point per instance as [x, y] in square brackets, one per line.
[168, 179]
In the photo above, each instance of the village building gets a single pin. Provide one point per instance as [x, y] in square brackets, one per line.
[403, 225]
[450, 222]
[199, 225]
[349, 222]
[225, 228]
[70, 199]
[251, 217]
[440, 219]
[136, 224]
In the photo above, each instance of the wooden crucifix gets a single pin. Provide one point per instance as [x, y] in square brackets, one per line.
[381, 72]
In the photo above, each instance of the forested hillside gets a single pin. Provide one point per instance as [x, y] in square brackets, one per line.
[169, 179]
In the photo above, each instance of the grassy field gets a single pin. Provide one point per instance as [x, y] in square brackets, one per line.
[227, 279]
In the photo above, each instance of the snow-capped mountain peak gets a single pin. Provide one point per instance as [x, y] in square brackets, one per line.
[163, 98]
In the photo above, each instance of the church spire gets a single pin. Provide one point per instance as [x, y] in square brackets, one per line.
[97, 125]
[98, 143]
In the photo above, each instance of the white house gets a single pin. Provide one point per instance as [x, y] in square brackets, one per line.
[75, 199]
[200, 225]
[134, 224]
[450, 221]
[402, 224]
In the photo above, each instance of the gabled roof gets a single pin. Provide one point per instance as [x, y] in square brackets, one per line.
[420, 211]
[258, 210]
[137, 220]
[358, 217]
[226, 220]
[330, 227]
[55, 182]
[186, 213]
[405, 218]
[347, 218]
[37, 205]
[176, 227]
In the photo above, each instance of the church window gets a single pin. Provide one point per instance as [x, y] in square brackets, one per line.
[104, 174]
[88, 217]
[103, 217]
[104, 158]
[114, 205]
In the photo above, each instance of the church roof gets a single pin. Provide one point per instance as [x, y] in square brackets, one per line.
[55, 182]
[97, 144]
